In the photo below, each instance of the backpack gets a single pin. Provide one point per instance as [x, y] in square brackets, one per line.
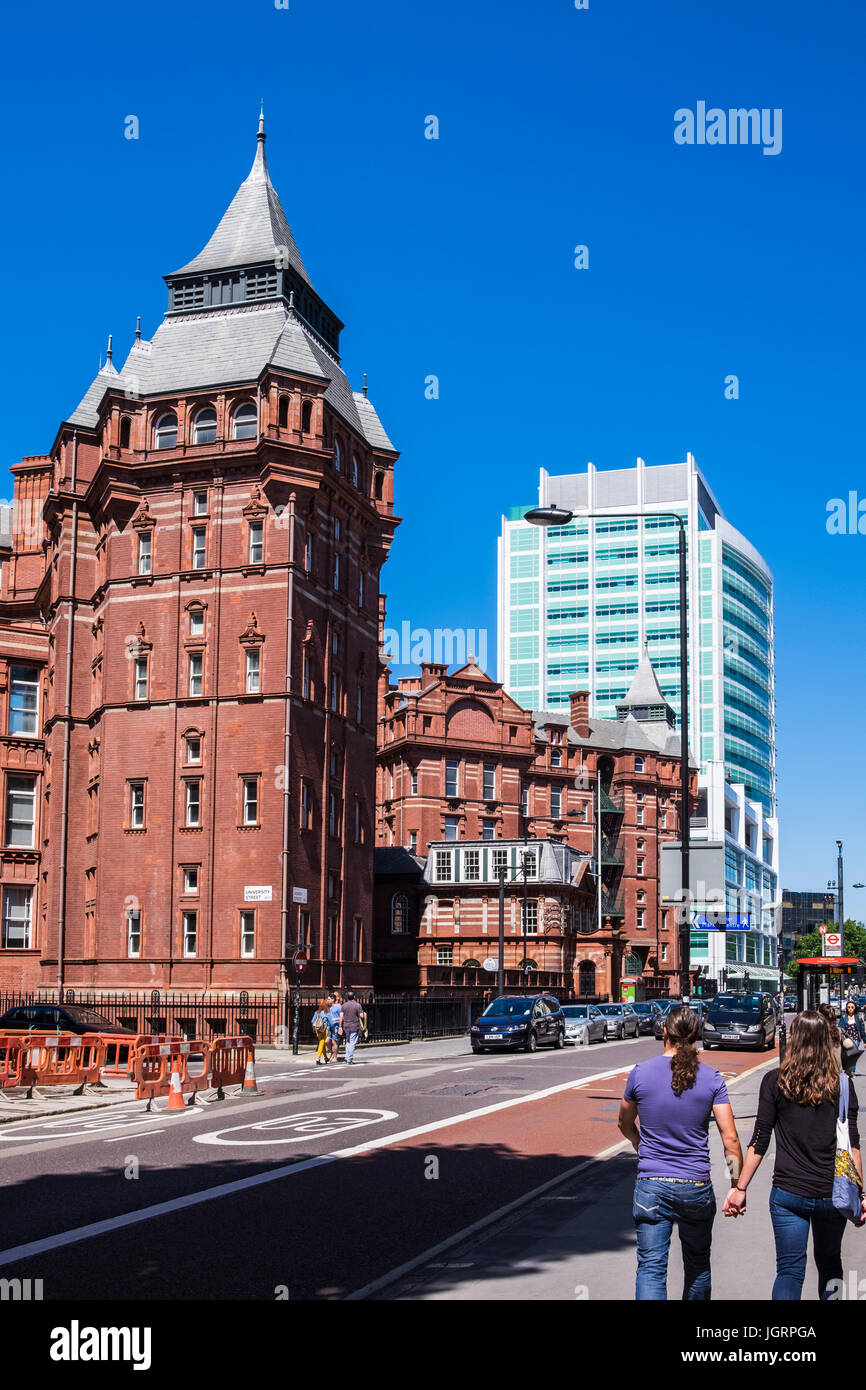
[320, 1024]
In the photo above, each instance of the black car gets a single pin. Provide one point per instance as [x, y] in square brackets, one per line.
[59, 1018]
[740, 1020]
[663, 1008]
[646, 1016]
[526, 1020]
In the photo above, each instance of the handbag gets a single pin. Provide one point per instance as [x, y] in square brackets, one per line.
[847, 1187]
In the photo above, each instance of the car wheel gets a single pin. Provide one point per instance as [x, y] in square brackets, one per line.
[708, 1047]
[621, 1033]
[559, 1042]
[772, 1040]
[531, 1043]
[476, 1049]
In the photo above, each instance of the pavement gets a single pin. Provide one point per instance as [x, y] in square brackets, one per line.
[577, 1242]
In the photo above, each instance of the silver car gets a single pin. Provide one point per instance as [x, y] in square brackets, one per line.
[580, 1018]
[620, 1020]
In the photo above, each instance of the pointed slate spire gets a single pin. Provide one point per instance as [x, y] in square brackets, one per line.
[645, 700]
[253, 229]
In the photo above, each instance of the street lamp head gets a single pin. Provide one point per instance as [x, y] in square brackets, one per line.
[548, 516]
[857, 885]
[839, 844]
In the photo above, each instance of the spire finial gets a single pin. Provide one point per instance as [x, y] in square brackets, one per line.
[109, 353]
[138, 329]
[365, 383]
[261, 135]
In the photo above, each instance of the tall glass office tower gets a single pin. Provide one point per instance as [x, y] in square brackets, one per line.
[577, 604]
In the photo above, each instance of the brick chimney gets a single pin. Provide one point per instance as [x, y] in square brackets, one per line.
[433, 671]
[580, 713]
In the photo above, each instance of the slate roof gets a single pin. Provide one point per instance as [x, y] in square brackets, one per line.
[392, 861]
[614, 734]
[645, 689]
[252, 227]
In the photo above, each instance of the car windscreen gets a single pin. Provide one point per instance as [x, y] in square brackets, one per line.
[575, 1010]
[739, 1013]
[508, 1008]
[736, 1003]
[642, 1008]
[610, 1008]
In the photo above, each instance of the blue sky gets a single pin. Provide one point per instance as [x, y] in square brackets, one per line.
[455, 258]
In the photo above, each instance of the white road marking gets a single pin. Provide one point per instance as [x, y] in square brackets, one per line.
[316, 1124]
[122, 1138]
[290, 1170]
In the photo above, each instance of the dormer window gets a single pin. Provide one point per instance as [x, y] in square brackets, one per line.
[165, 431]
[204, 426]
[245, 422]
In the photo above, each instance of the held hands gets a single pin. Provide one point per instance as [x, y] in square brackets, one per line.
[735, 1203]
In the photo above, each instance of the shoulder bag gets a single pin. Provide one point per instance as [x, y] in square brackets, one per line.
[847, 1187]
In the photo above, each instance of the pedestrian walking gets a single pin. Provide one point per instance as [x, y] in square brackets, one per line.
[321, 1031]
[800, 1102]
[335, 1025]
[353, 1015]
[853, 1033]
[665, 1113]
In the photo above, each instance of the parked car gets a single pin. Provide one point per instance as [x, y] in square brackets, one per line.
[620, 1020]
[59, 1018]
[646, 1015]
[525, 1021]
[740, 1020]
[790, 1003]
[580, 1016]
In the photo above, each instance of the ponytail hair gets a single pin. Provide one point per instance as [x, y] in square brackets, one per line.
[683, 1027]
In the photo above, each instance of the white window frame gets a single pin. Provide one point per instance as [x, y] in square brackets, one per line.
[190, 933]
[133, 933]
[254, 670]
[22, 681]
[248, 934]
[192, 803]
[17, 919]
[256, 548]
[190, 740]
[196, 674]
[136, 806]
[250, 799]
[196, 622]
[144, 552]
[191, 880]
[199, 547]
[141, 675]
[24, 796]
[245, 421]
[444, 861]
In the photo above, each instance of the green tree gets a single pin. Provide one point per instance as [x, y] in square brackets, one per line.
[854, 944]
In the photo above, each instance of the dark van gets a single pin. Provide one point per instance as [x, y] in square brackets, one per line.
[740, 1020]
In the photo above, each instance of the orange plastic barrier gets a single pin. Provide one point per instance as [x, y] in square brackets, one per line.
[154, 1063]
[120, 1051]
[56, 1059]
[229, 1060]
[10, 1062]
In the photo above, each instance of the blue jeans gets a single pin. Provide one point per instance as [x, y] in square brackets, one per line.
[791, 1217]
[351, 1040]
[658, 1207]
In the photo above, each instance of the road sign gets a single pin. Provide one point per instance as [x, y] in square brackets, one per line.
[301, 959]
[822, 930]
[718, 921]
[258, 893]
[832, 943]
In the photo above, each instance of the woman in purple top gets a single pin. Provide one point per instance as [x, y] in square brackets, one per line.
[665, 1114]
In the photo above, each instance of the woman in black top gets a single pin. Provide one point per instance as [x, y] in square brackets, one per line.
[800, 1102]
[853, 1037]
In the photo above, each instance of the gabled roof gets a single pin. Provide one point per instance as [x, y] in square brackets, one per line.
[471, 671]
[253, 228]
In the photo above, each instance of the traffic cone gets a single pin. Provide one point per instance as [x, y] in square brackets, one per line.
[249, 1086]
[175, 1093]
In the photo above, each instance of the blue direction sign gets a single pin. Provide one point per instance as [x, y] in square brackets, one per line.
[733, 922]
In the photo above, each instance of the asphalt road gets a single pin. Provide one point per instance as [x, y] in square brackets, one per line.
[334, 1178]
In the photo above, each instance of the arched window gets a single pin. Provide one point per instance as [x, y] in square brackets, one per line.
[399, 914]
[378, 486]
[640, 844]
[586, 978]
[529, 965]
[638, 764]
[125, 428]
[204, 426]
[165, 431]
[641, 896]
[472, 964]
[306, 417]
[356, 471]
[245, 421]
[283, 416]
[338, 455]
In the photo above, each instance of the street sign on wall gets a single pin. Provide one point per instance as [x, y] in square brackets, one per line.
[258, 893]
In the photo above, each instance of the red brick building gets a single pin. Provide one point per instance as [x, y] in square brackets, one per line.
[189, 621]
[460, 761]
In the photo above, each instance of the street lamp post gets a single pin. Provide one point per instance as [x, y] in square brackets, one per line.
[561, 516]
[840, 912]
[502, 872]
